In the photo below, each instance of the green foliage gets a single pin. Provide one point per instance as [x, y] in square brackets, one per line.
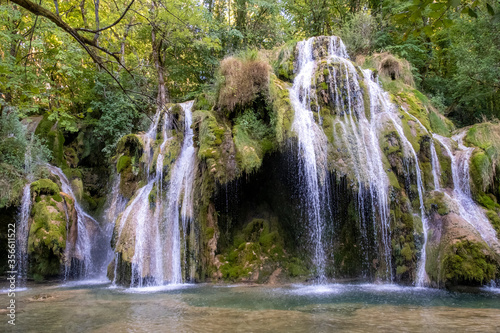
[358, 33]
[118, 118]
[17, 147]
[253, 139]
[439, 124]
[20, 155]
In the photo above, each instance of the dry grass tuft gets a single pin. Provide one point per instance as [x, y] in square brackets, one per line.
[395, 68]
[243, 80]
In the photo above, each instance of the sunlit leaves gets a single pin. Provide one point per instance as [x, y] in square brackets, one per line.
[439, 13]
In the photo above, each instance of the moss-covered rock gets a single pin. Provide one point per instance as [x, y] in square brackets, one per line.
[52, 217]
[457, 255]
[129, 152]
[256, 253]
[44, 186]
[439, 202]
[470, 263]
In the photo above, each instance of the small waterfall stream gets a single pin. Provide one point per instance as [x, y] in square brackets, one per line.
[360, 136]
[311, 151]
[22, 234]
[461, 194]
[180, 195]
[160, 223]
[148, 260]
[83, 243]
[22, 220]
[435, 166]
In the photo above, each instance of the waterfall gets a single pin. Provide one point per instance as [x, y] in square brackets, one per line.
[148, 260]
[22, 219]
[436, 168]
[390, 111]
[115, 206]
[160, 225]
[311, 150]
[22, 235]
[180, 195]
[360, 136]
[461, 194]
[83, 244]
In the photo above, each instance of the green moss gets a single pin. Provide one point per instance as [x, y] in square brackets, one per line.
[54, 140]
[209, 232]
[495, 221]
[488, 200]
[72, 173]
[283, 66]
[407, 252]
[401, 270]
[91, 203]
[47, 237]
[257, 248]
[153, 196]
[480, 170]
[44, 126]
[130, 145]
[44, 186]
[435, 202]
[296, 267]
[439, 124]
[467, 263]
[249, 151]
[445, 164]
[210, 135]
[71, 156]
[366, 98]
[282, 108]
[57, 197]
[123, 162]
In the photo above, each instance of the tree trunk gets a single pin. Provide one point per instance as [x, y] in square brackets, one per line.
[162, 91]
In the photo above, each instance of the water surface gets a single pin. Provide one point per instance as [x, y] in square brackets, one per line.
[97, 306]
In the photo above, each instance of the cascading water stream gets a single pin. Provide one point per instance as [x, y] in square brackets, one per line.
[138, 208]
[311, 150]
[180, 195]
[22, 221]
[83, 243]
[461, 194]
[148, 260]
[360, 136]
[115, 206]
[436, 168]
[22, 234]
[390, 111]
[158, 249]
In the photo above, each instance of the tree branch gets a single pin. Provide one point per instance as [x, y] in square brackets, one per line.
[109, 26]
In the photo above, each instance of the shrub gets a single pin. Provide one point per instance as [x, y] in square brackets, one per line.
[242, 80]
